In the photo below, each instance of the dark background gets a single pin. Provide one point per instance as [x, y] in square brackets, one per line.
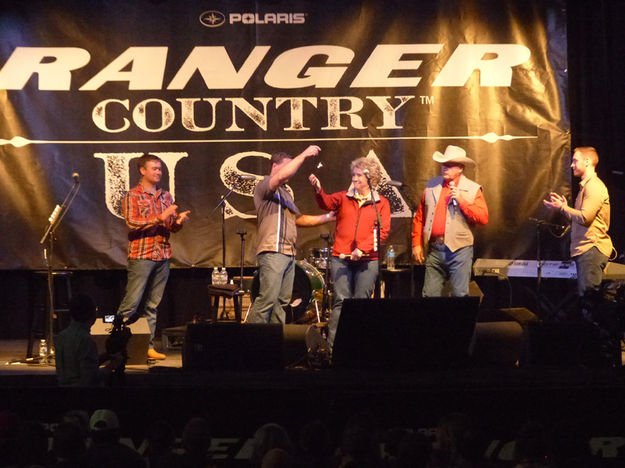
[596, 53]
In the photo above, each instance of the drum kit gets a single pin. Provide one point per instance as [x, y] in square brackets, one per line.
[311, 297]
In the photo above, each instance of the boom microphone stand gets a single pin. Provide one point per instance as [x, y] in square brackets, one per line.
[47, 240]
[222, 204]
[540, 223]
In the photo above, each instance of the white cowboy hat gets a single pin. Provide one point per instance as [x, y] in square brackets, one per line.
[453, 154]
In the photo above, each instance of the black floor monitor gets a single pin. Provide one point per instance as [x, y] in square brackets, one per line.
[405, 333]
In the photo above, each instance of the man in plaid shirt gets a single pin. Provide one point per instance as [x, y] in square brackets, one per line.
[151, 215]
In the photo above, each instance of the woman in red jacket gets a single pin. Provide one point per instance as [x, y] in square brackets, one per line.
[354, 253]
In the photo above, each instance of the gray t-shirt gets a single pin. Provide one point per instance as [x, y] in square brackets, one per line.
[277, 212]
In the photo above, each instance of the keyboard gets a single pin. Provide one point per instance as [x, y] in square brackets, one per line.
[529, 269]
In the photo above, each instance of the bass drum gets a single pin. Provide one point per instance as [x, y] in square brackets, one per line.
[307, 286]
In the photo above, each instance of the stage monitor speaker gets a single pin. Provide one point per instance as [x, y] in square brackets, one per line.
[405, 333]
[574, 344]
[137, 345]
[233, 346]
[500, 336]
[497, 344]
[294, 346]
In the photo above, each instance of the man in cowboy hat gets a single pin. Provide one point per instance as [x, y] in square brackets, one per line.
[442, 229]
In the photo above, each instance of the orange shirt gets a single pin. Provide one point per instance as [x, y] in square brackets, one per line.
[475, 213]
[440, 214]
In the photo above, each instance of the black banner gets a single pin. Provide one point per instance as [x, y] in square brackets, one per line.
[214, 88]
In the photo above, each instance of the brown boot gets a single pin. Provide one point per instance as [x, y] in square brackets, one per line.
[154, 354]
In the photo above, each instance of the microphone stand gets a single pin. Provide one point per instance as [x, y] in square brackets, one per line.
[325, 301]
[539, 263]
[413, 209]
[48, 238]
[378, 223]
[242, 232]
[222, 204]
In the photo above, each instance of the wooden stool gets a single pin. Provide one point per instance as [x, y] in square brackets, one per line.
[227, 291]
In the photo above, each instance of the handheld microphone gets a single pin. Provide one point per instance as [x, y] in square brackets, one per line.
[394, 183]
[247, 177]
[76, 177]
[452, 184]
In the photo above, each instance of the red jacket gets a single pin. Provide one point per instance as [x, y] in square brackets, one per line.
[354, 224]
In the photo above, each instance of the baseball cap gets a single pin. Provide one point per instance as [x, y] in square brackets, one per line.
[103, 419]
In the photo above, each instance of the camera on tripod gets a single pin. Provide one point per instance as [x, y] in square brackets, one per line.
[117, 342]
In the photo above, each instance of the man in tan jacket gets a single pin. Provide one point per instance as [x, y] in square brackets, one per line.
[590, 220]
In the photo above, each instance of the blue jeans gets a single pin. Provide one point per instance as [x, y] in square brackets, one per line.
[144, 275]
[590, 267]
[275, 273]
[352, 280]
[442, 264]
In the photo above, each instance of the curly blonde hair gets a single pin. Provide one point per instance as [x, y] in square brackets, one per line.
[375, 173]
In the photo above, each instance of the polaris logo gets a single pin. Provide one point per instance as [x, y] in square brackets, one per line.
[267, 18]
[212, 18]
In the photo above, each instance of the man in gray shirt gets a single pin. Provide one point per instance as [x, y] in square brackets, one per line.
[278, 218]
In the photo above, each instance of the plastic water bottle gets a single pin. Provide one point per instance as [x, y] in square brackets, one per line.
[215, 276]
[43, 348]
[390, 258]
[224, 276]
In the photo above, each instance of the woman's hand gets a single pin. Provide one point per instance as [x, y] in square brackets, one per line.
[314, 181]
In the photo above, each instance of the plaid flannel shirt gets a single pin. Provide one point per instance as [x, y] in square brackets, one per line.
[148, 236]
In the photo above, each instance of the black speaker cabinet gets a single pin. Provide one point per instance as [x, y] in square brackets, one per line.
[232, 346]
[137, 346]
[575, 344]
[500, 336]
[405, 334]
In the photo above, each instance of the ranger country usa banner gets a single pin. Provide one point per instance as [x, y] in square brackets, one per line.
[215, 87]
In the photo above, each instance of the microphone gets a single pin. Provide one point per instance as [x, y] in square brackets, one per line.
[247, 177]
[76, 177]
[565, 227]
[394, 183]
[366, 173]
[452, 184]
